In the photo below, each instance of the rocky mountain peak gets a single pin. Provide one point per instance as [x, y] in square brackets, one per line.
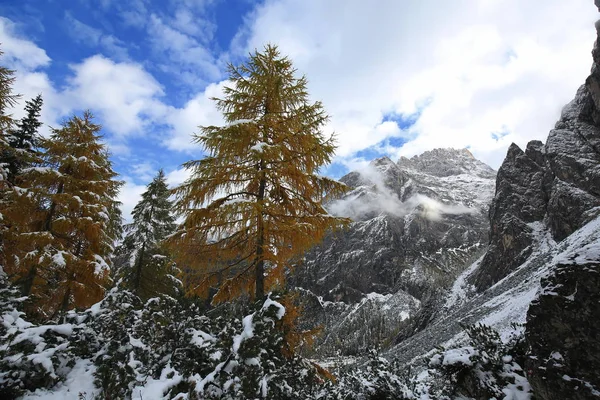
[384, 162]
[447, 162]
[556, 184]
[417, 223]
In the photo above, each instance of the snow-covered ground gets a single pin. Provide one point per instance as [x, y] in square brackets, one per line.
[503, 306]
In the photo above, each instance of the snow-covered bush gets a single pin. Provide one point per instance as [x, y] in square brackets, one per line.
[486, 367]
[377, 379]
[163, 348]
[31, 356]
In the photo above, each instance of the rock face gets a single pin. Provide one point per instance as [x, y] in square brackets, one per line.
[558, 183]
[563, 336]
[542, 266]
[417, 223]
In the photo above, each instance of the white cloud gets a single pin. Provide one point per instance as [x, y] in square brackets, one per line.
[19, 53]
[177, 176]
[28, 60]
[93, 37]
[186, 21]
[480, 66]
[129, 195]
[361, 203]
[124, 94]
[191, 61]
[199, 111]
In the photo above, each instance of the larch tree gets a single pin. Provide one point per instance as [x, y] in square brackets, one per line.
[7, 100]
[146, 269]
[253, 205]
[62, 234]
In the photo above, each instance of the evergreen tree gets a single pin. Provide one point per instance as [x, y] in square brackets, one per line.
[148, 270]
[62, 234]
[24, 139]
[7, 101]
[253, 203]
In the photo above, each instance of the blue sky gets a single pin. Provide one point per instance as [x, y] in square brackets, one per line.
[397, 79]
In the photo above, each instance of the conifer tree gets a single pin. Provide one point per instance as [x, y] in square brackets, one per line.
[7, 101]
[23, 140]
[147, 269]
[62, 235]
[253, 204]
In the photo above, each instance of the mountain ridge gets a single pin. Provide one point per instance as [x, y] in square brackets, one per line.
[414, 228]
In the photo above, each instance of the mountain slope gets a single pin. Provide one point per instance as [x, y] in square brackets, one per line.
[540, 276]
[417, 223]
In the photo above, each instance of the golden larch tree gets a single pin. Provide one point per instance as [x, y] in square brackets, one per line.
[253, 204]
[61, 236]
[7, 100]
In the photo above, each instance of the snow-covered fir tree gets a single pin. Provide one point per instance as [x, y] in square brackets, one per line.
[23, 140]
[146, 268]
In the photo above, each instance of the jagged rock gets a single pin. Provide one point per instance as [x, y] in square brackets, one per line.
[563, 336]
[520, 199]
[447, 162]
[351, 329]
[418, 222]
[558, 183]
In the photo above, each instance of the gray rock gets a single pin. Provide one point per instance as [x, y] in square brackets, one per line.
[558, 183]
[563, 337]
[417, 223]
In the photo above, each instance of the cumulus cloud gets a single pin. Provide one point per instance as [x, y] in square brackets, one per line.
[189, 60]
[177, 176]
[129, 195]
[198, 111]
[125, 94]
[476, 68]
[20, 53]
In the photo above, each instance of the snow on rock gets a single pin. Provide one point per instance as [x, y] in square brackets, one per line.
[504, 305]
[461, 289]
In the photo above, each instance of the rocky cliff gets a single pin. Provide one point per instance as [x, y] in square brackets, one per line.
[539, 278]
[417, 224]
[557, 183]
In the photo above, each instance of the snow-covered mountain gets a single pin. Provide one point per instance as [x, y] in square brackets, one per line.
[540, 275]
[418, 264]
[417, 224]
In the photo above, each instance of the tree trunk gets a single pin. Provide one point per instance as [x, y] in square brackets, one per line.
[260, 241]
[28, 281]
